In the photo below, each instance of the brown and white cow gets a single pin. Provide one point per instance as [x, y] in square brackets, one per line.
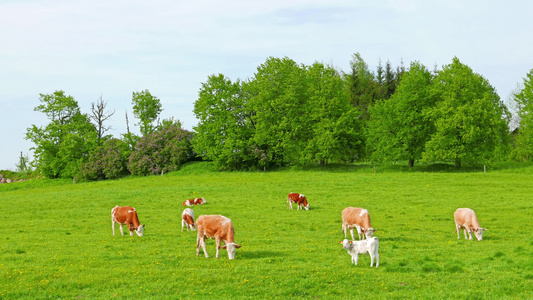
[126, 215]
[219, 228]
[187, 219]
[195, 201]
[466, 218]
[359, 218]
[298, 199]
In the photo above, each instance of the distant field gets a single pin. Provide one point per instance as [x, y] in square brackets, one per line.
[57, 240]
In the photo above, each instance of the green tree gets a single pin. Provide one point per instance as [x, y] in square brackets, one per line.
[336, 129]
[146, 108]
[362, 87]
[523, 145]
[277, 101]
[24, 164]
[65, 143]
[398, 128]
[224, 127]
[470, 119]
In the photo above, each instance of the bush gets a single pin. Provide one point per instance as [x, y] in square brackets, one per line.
[161, 151]
[108, 161]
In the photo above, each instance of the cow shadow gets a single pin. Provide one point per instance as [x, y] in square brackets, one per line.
[257, 254]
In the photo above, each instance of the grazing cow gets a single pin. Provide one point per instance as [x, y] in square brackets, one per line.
[298, 199]
[370, 246]
[466, 218]
[187, 219]
[359, 218]
[218, 227]
[195, 201]
[126, 215]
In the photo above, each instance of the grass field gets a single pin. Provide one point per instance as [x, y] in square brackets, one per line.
[57, 240]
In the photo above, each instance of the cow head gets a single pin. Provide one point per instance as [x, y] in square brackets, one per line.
[369, 232]
[345, 243]
[231, 249]
[479, 233]
[140, 230]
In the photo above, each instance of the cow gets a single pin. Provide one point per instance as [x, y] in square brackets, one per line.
[195, 201]
[298, 199]
[359, 218]
[218, 227]
[466, 218]
[126, 215]
[370, 246]
[187, 219]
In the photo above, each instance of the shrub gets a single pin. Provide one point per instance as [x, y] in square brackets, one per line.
[108, 161]
[161, 151]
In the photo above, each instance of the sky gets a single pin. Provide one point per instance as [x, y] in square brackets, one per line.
[112, 48]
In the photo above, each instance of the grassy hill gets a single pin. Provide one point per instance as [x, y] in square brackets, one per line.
[58, 242]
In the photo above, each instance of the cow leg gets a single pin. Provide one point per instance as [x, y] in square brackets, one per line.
[358, 231]
[344, 229]
[457, 228]
[351, 232]
[201, 243]
[113, 226]
[121, 230]
[377, 259]
[371, 259]
[197, 246]
[470, 233]
[217, 241]
[182, 224]
[356, 258]
[290, 205]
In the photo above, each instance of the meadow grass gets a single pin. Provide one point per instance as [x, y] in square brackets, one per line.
[58, 242]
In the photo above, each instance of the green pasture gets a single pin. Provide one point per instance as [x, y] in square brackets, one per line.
[57, 240]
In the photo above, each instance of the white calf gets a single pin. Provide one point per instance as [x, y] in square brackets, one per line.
[370, 246]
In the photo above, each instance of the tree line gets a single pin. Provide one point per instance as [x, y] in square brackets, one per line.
[295, 114]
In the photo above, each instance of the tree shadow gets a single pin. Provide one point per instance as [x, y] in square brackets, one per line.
[258, 254]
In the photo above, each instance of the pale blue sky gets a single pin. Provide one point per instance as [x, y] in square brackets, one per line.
[112, 48]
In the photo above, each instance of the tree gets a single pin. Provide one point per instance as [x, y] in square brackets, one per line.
[66, 141]
[398, 128]
[363, 90]
[24, 163]
[336, 129]
[523, 146]
[146, 108]
[278, 101]
[108, 161]
[161, 152]
[99, 115]
[469, 118]
[224, 128]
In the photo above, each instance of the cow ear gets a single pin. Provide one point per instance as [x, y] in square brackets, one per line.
[350, 242]
[237, 246]
[144, 225]
[484, 228]
[340, 242]
[223, 247]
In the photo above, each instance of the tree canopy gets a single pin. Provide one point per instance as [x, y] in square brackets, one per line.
[65, 143]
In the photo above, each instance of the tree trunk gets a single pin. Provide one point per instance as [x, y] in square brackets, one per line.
[411, 163]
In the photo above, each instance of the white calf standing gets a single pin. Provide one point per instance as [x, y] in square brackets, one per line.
[187, 219]
[370, 246]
